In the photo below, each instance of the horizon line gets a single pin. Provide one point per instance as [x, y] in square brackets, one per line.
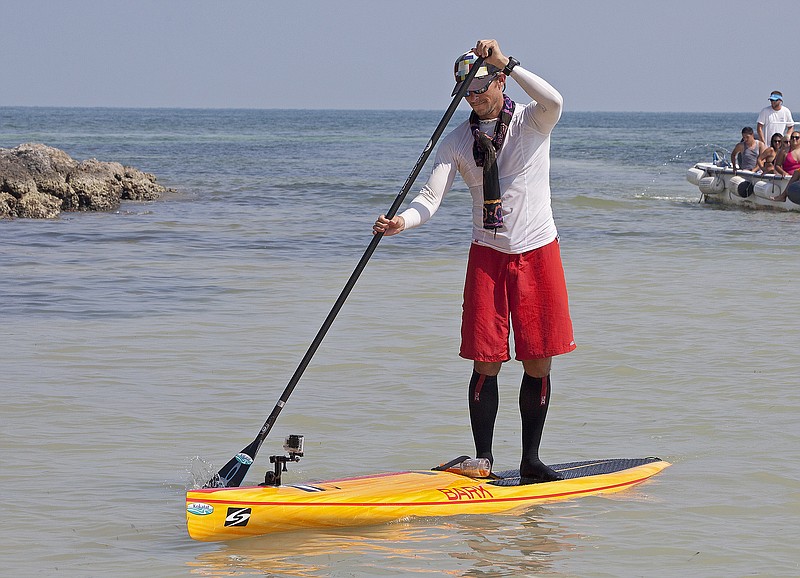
[106, 107]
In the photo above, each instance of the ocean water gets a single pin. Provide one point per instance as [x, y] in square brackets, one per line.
[142, 348]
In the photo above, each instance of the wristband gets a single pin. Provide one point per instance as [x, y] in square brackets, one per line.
[512, 62]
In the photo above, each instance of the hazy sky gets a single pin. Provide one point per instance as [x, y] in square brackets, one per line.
[602, 55]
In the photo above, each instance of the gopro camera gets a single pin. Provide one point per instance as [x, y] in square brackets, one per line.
[294, 445]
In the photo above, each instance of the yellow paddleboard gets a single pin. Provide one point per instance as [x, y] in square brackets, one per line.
[228, 513]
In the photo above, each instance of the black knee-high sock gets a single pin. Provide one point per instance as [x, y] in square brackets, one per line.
[483, 403]
[534, 399]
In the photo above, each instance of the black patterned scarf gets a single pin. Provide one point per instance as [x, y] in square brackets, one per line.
[485, 151]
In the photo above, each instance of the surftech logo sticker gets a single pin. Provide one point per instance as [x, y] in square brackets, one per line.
[237, 517]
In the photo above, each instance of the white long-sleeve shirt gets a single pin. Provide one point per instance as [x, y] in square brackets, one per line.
[524, 169]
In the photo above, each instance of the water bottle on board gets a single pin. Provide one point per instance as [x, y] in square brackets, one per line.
[472, 468]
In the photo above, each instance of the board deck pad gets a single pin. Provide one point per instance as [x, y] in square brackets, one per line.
[571, 470]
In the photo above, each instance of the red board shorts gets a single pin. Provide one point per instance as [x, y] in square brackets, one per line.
[530, 289]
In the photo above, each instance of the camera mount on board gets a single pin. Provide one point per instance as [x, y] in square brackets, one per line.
[294, 447]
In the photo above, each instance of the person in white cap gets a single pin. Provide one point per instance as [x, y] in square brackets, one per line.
[774, 118]
[514, 271]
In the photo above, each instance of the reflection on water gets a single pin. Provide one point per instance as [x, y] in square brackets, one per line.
[487, 546]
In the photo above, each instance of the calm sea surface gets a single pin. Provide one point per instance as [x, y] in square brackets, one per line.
[141, 349]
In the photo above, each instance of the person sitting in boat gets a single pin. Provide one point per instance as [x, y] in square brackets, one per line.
[782, 152]
[789, 153]
[766, 160]
[747, 151]
[782, 197]
[791, 162]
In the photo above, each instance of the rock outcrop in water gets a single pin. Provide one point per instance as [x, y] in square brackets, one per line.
[38, 182]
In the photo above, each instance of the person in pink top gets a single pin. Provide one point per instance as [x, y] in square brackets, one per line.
[791, 164]
[792, 161]
[514, 270]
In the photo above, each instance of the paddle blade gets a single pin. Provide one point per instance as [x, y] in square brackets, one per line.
[232, 474]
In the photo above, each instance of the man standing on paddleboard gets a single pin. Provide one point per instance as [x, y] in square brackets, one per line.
[514, 269]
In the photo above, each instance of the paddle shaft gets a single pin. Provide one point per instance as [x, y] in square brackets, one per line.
[233, 473]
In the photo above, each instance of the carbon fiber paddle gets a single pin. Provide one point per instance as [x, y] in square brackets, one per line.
[233, 473]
